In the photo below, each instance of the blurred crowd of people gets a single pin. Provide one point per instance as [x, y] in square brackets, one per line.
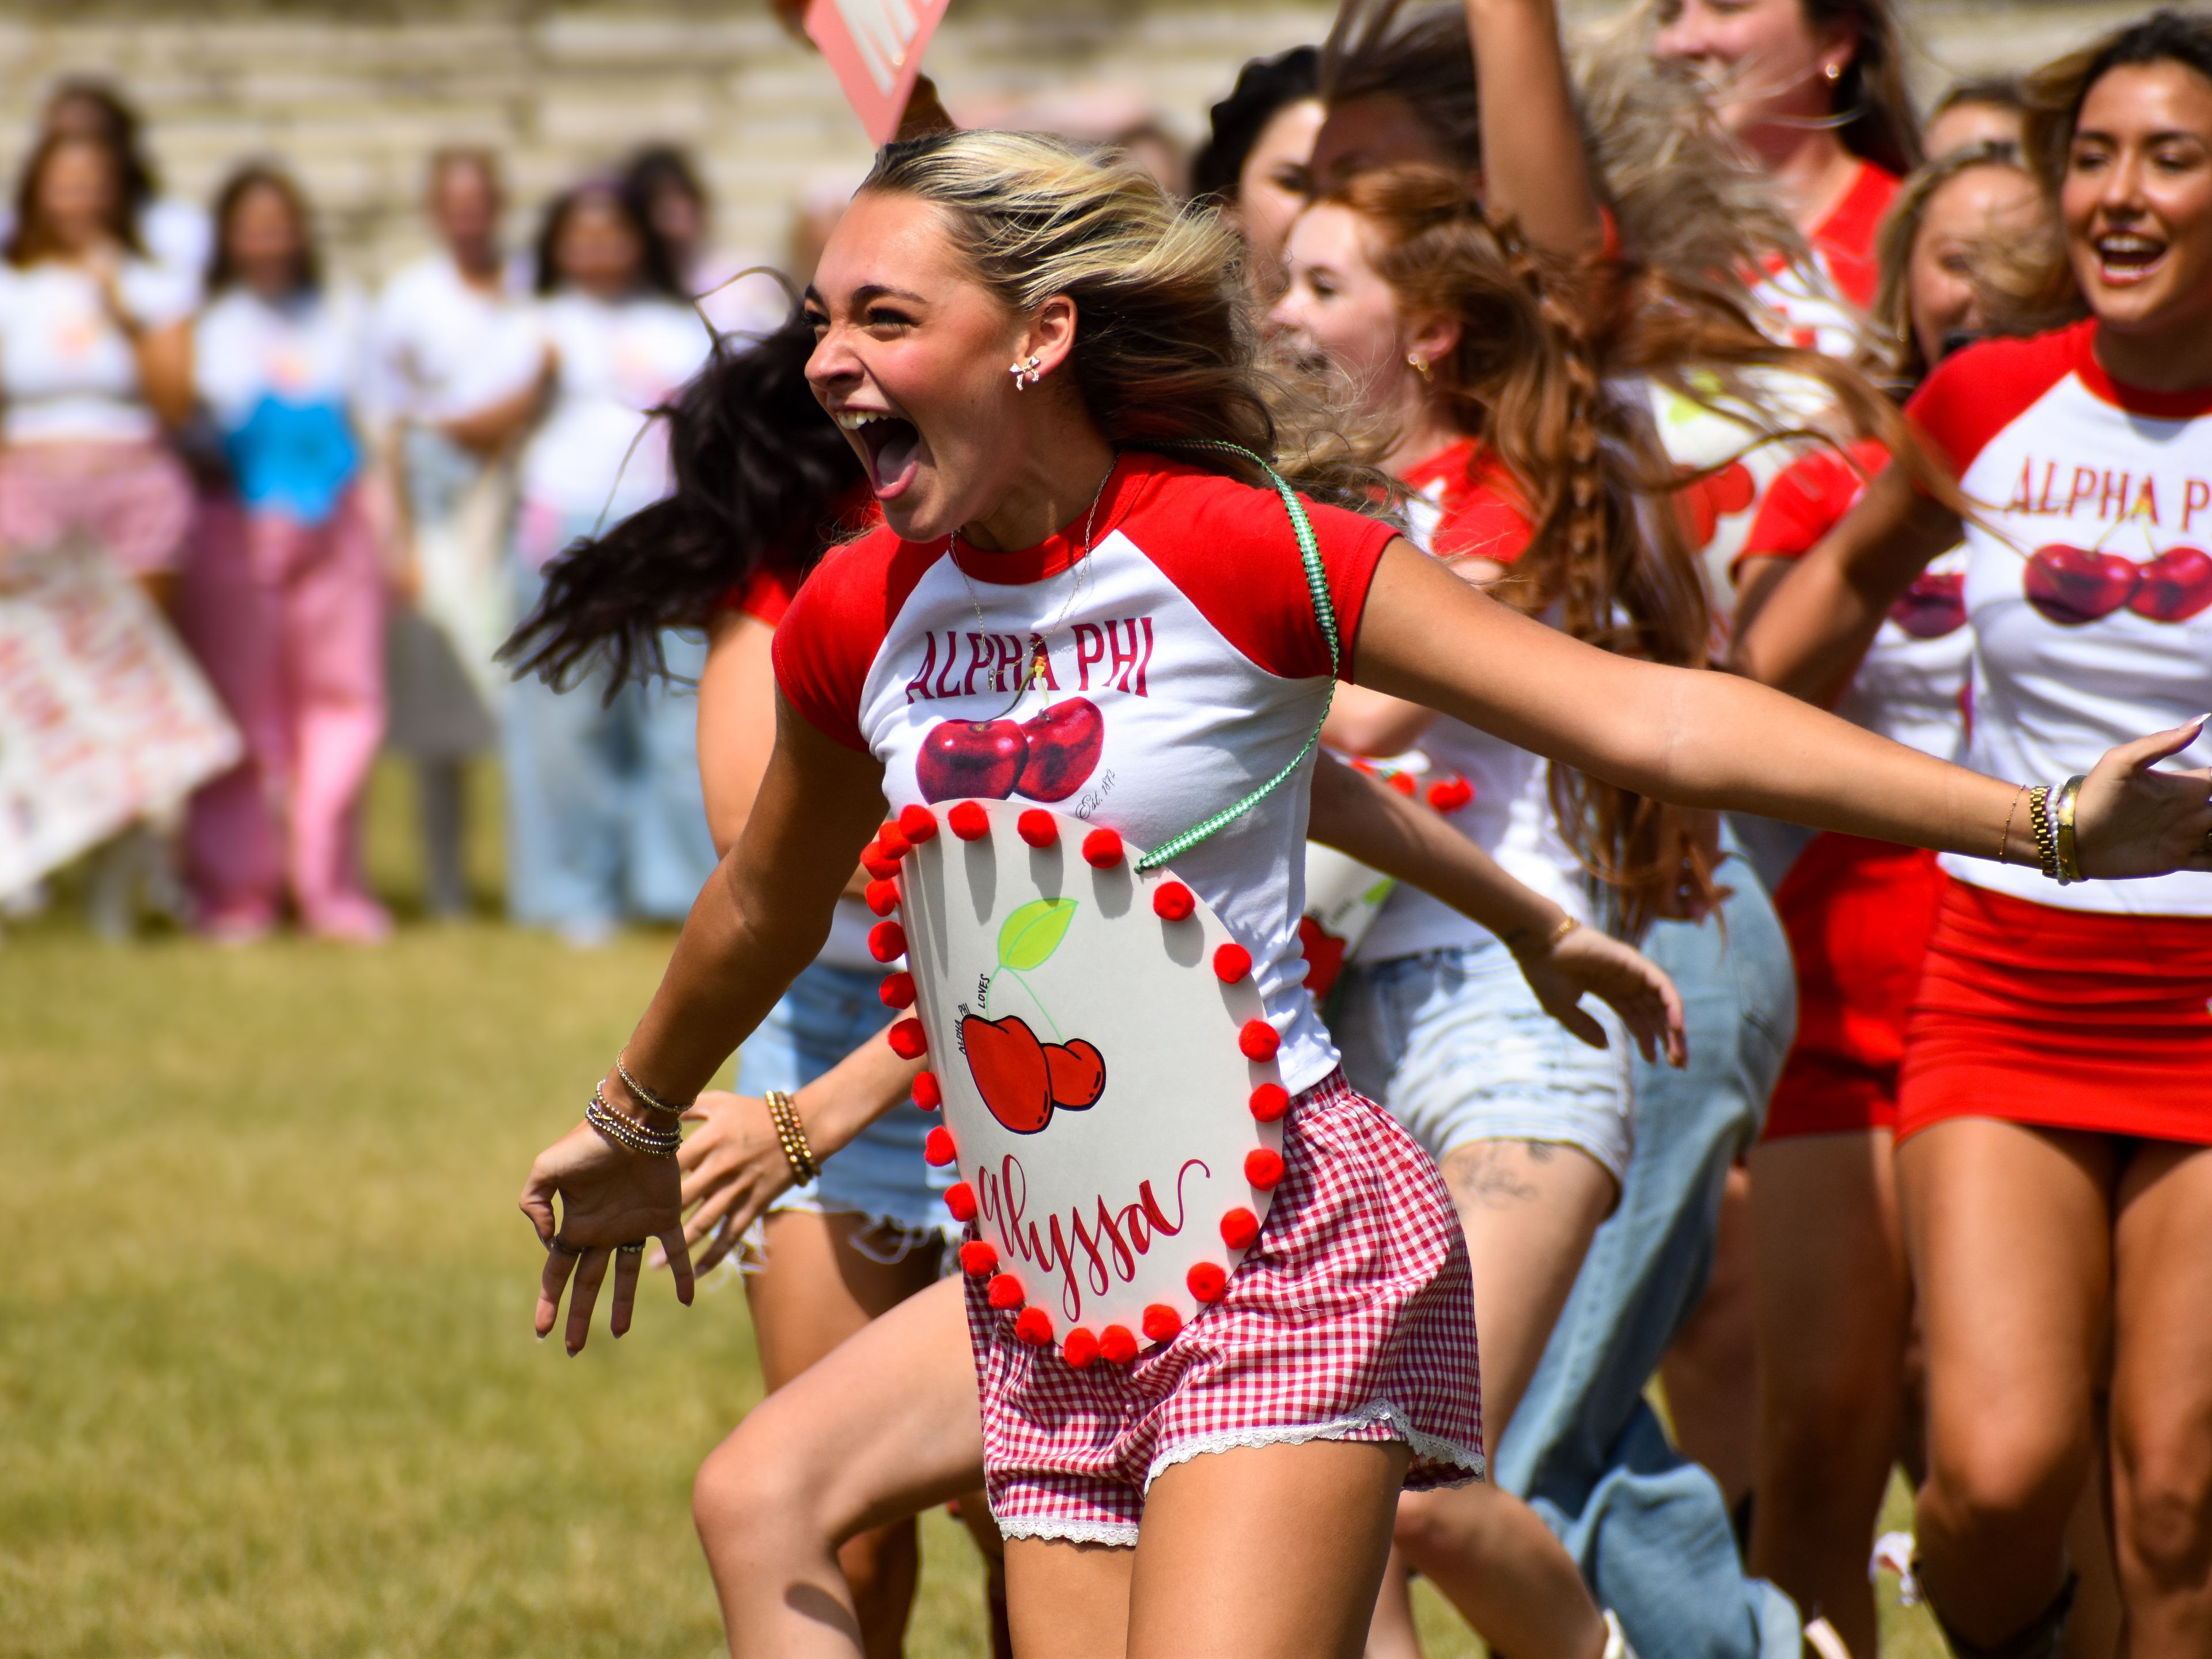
[340, 504]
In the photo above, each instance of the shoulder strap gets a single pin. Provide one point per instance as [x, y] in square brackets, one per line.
[1324, 613]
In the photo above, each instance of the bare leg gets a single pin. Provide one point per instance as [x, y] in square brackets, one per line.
[1711, 1373]
[1069, 1600]
[2009, 1232]
[2092, 1629]
[1834, 1301]
[1390, 1632]
[816, 1292]
[2161, 1433]
[1529, 1210]
[1264, 1552]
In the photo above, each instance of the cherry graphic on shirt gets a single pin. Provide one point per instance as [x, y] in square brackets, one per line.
[2176, 585]
[1933, 606]
[1708, 500]
[2072, 585]
[1064, 745]
[979, 760]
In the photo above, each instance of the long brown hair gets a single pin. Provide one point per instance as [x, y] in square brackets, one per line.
[222, 270]
[1876, 117]
[32, 239]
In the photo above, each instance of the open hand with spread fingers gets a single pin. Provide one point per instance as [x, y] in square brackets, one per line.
[614, 1199]
[2131, 820]
[1581, 960]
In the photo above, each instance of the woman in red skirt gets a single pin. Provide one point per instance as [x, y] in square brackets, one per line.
[1018, 336]
[2056, 1092]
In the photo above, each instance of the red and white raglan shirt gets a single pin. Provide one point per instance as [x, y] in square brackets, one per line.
[1858, 912]
[2089, 590]
[1182, 667]
[1822, 308]
[1467, 506]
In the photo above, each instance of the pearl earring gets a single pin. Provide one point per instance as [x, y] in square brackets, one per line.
[1026, 374]
[1835, 72]
[1420, 364]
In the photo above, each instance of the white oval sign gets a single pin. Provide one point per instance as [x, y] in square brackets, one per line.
[1091, 1032]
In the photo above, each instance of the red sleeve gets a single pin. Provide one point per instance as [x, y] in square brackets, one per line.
[766, 594]
[1975, 393]
[1234, 555]
[1484, 520]
[1808, 499]
[835, 625]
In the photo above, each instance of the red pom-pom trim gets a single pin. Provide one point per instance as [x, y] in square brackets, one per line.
[908, 1041]
[1270, 1101]
[928, 1093]
[960, 1198]
[1264, 1168]
[882, 897]
[877, 862]
[1172, 902]
[887, 941]
[1161, 1322]
[978, 1256]
[1208, 1282]
[937, 1150]
[1118, 1344]
[897, 991]
[918, 824]
[1404, 782]
[1232, 963]
[1451, 794]
[893, 842]
[1239, 1229]
[1004, 1291]
[969, 821]
[1080, 1349]
[1259, 1040]
[1037, 827]
[1102, 849]
[1035, 1326]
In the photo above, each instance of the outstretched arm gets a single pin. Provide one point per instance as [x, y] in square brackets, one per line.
[1534, 170]
[1698, 738]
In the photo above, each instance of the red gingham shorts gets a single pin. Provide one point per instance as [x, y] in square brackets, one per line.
[1352, 1318]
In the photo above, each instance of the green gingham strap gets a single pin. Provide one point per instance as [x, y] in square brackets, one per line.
[1324, 613]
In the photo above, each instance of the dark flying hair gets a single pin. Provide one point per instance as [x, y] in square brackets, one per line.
[1873, 106]
[1265, 87]
[307, 274]
[1376, 49]
[762, 475]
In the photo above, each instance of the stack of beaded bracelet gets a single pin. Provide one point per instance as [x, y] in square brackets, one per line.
[2069, 864]
[791, 1135]
[2038, 820]
[643, 1096]
[627, 1132]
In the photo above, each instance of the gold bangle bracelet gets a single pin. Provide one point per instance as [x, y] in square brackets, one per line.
[643, 1096]
[2070, 862]
[791, 1135]
[2038, 820]
[2004, 835]
[1551, 940]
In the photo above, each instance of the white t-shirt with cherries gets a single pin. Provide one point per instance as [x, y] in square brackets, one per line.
[617, 360]
[2089, 588]
[1184, 668]
[67, 371]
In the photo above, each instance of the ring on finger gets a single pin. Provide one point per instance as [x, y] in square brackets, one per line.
[635, 1246]
[564, 1247]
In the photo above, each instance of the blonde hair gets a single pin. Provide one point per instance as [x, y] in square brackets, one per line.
[1166, 349]
[1896, 344]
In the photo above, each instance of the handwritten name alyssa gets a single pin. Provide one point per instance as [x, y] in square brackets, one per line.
[1097, 1252]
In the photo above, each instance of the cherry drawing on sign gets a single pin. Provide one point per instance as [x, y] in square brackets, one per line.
[1020, 1076]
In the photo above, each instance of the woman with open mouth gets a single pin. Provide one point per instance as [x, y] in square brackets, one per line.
[2053, 1113]
[1023, 340]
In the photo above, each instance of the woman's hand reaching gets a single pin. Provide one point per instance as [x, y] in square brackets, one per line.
[2132, 821]
[1584, 961]
[612, 1202]
[733, 1168]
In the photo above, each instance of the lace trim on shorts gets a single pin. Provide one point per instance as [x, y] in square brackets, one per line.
[1381, 1412]
[1120, 1535]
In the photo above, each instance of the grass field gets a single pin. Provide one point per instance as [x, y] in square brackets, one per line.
[267, 1386]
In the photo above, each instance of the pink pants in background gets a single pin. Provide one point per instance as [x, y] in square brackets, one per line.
[288, 621]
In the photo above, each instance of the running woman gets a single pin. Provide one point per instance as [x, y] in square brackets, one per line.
[2052, 1178]
[968, 252]
[1834, 1297]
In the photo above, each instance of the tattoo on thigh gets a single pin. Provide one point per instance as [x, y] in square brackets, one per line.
[1480, 1177]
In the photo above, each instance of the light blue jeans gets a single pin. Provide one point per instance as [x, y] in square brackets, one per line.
[826, 1014]
[604, 818]
[1648, 1528]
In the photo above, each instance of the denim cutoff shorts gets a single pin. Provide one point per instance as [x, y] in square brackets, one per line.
[826, 1014]
[1455, 1045]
